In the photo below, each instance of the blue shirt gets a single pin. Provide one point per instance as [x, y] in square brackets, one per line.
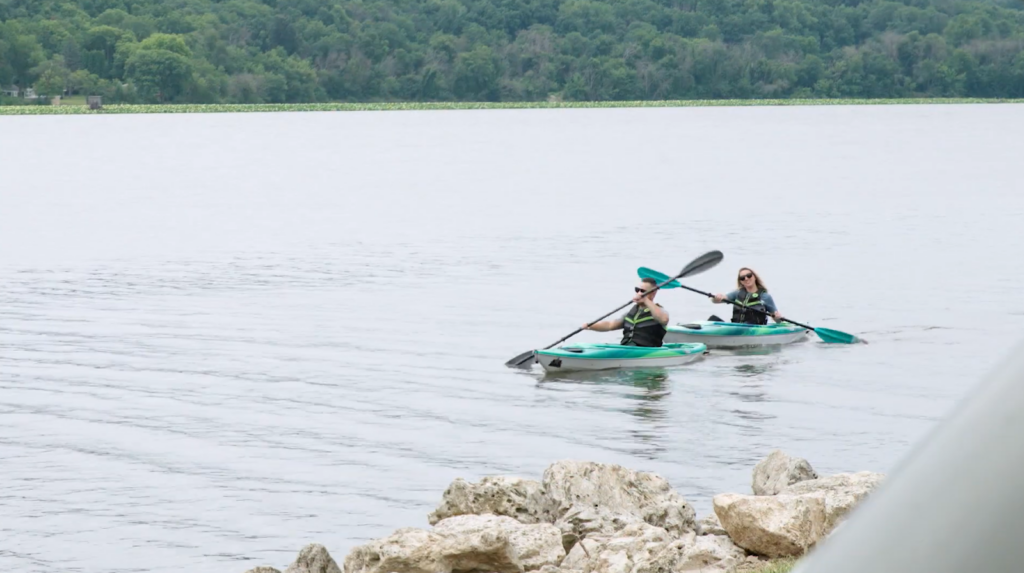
[769, 302]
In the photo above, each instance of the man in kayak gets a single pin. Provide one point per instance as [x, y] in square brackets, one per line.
[644, 324]
[752, 296]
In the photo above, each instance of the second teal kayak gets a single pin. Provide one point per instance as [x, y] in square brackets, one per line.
[735, 335]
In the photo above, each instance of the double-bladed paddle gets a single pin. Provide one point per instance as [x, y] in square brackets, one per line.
[696, 266]
[825, 334]
[646, 273]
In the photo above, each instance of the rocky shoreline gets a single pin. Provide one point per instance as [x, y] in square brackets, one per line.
[586, 517]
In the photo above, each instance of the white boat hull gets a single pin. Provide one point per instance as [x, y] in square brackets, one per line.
[736, 341]
[568, 364]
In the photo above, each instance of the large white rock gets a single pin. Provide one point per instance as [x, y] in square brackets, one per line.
[710, 525]
[462, 544]
[407, 550]
[582, 522]
[773, 526]
[607, 497]
[553, 569]
[314, 558]
[485, 549]
[636, 548]
[710, 553]
[518, 498]
[644, 548]
[842, 493]
[778, 470]
[533, 546]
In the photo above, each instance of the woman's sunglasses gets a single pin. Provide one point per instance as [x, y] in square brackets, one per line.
[746, 276]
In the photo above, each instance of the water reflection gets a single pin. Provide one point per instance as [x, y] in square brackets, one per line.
[752, 370]
[752, 351]
[750, 387]
[643, 398]
[648, 385]
[649, 401]
[648, 407]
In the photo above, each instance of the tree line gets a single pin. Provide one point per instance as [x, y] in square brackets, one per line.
[299, 51]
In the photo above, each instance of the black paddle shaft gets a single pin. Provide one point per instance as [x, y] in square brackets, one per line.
[734, 303]
[528, 355]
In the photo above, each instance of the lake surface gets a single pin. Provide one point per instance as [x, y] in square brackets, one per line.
[225, 336]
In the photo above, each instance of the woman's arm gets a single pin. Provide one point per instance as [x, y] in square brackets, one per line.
[720, 298]
[769, 305]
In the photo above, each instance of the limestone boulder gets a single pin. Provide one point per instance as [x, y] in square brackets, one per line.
[643, 548]
[554, 569]
[407, 550]
[710, 553]
[842, 493]
[772, 526]
[263, 569]
[462, 544]
[593, 492]
[485, 549]
[582, 522]
[636, 548]
[778, 470]
[520, 499]
[531, 546]
[752, 564]
[314, 558]
[710, 525]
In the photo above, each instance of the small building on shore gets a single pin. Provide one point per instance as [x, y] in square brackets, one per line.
[15, 91]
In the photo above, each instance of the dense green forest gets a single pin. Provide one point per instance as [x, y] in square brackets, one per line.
[257, 51]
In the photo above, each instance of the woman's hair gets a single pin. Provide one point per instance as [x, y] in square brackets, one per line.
[757, 279]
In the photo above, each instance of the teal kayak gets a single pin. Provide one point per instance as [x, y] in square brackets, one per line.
[735, 335]
[606, 356]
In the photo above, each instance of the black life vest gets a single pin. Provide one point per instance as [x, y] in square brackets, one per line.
[750, 300]
[640, 328]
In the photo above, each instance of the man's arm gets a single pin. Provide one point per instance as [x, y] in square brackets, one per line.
[605, 325]
[659, 314]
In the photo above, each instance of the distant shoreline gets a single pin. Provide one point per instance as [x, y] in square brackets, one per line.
[431, 106]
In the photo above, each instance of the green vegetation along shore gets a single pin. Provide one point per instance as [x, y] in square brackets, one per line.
[408, 106]
[310, 51]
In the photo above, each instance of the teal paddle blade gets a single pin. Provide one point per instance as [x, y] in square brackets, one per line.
[836, 336]
[646, 273]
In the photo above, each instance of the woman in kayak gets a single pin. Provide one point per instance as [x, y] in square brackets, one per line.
[644, 324]
[752, 296]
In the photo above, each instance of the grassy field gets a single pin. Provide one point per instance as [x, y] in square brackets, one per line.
[73, 106]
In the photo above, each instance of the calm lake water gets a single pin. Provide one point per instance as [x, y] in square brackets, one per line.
[225, 336]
